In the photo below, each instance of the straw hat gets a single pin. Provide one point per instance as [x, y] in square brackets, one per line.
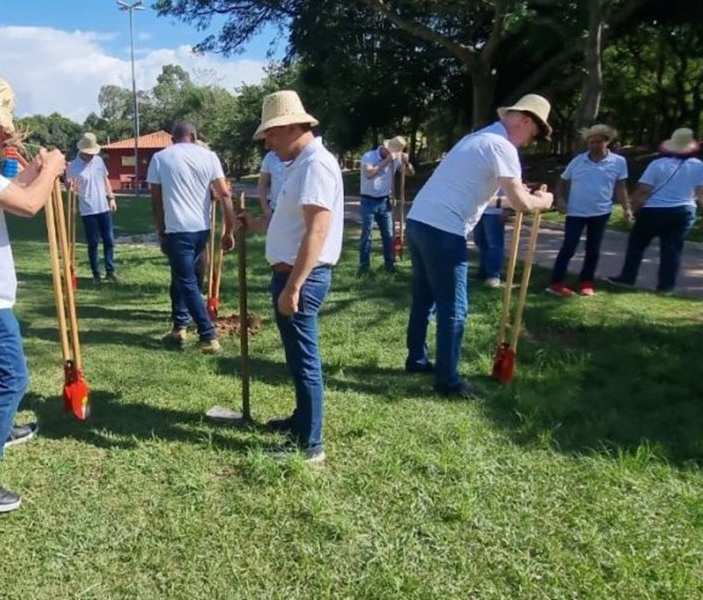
[7, 107]
[282, 108]
[396, 144]
[601, 130]
[680, 142]
[88, 144]
[538, 107]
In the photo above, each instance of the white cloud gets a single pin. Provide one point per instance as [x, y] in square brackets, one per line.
[62, 71]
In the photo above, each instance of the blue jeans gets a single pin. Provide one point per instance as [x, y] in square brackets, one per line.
[440, 272]
[13, 372]
[299, 337]
[670, 225]
[183, 250]
[573, 227]
[380, 210]
[489, 237]
[96, 227]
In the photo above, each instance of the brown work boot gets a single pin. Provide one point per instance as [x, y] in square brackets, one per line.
[176, 338]
[211, 347]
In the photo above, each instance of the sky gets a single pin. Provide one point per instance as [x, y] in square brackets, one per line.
[57, 54]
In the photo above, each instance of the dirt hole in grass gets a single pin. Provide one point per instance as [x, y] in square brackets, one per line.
[232, 325]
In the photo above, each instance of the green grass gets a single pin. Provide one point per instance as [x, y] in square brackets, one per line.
[581, 479]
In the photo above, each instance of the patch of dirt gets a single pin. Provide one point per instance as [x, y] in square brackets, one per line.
[232, 325]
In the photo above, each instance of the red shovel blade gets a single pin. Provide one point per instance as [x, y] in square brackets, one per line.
[75, 392]
[397, 247]
[504, 364]
[213, 305]
[74, 279]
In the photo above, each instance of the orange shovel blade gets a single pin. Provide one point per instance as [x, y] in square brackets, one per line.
[75, 392]
[504, 364]
[213, 305]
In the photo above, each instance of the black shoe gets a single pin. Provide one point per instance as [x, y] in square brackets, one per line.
[291, 450]
[363, 272]
[112, 278]
[416, 367]
[9, 501]
[280, 424]
[463, 391]
[21, 434]
[96, 281]
[619, 282]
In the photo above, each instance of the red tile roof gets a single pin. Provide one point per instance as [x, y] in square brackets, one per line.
[159, 139]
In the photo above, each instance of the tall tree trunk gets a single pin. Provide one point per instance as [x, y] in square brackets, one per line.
[483, 87]
[593, 83]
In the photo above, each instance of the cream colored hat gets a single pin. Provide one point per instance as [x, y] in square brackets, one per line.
[7, 107]
[600, 129]
[282, 108]
[680, 142]
[537, 106]
[88, 144]
[396, 144]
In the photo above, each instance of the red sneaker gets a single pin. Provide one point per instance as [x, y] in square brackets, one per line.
[559, 289]
[587, 288]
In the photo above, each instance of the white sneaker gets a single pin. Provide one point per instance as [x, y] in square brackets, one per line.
[492, 282]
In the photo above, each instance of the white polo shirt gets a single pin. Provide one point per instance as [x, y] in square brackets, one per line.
[381, 185]
[313, 179]
[8, 279]
[674, 181]
[456, 194]
[275, 168]
[185, 172]
[593, 184]
[90, 184]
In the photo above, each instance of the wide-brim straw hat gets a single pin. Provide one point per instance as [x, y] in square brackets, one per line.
[88, 144]
[538, 107]
[606, 131]
[282, 108]
[395, 144]
[7, 107]
[680, 142]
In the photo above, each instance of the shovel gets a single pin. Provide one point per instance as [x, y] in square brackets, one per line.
[215, 268]
[72, 209]
[399, 239]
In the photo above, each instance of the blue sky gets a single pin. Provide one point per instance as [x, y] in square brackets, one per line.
[57, 53]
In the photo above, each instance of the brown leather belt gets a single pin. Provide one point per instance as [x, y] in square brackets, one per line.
[281, 267]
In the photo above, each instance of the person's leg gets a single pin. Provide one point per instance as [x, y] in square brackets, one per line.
[422, 304]
[676, 223]
[494, 232]
[368, 206]
[91, 228]
[573, 227]
[595, 229]
[299, 334]
[200, 264]
[645, 228]
[481, 243]
[384, 219]
[105, 225]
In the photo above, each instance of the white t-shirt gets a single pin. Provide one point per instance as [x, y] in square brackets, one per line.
[8, 279]
[456, 194]
[593, 184]
[314, 179]
[381, 185]
[185, 172]
[90, 184]
[674, 181]
[274, 167]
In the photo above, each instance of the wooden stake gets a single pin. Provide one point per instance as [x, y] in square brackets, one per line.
[243, 313]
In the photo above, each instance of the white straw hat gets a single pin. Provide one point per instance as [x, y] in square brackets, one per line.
[680, 142]
[396, 144]
[7, 107]
[88, 144]
[538, 107]
[599, 129]
[282, 108]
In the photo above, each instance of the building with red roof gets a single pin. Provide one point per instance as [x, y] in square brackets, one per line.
[120, 159]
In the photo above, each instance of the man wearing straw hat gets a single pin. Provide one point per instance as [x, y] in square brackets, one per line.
[88, 173]
[444, 212]
[25, 195]
[378, 169]
[303, 243]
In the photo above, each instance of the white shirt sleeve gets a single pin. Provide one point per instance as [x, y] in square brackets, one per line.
[4, 182]
[152, 175]
[505, 160]
[217, 172]
[622, 173]
[317, 186]
[266, 164]
[651, 174]
[566, 175]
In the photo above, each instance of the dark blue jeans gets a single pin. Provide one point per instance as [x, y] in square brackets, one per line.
[573, 228]
[439, 286]
[489, 237]
[183, 250]
[299, 337]
[96, 227]
[380, 210]
[13, 372]
[670, 225]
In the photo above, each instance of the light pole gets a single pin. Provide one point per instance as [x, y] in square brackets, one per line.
[131, 8]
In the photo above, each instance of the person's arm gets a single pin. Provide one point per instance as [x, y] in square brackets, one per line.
[640, 195]
[561, 194]
[110, 194]
[521, 199]
[223, 191]
[623, 198]
[157, 208]
[27, 199]
[370, 171]
[29, 173]
[409, 169]
[262, 188]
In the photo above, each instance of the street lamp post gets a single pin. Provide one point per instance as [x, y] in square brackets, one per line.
[131, 8]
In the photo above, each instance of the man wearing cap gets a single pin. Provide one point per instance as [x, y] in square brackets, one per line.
[303, 243]
[585, 193]
[444, 212]
[181, 178]
[88, 174]
[378, 169]
[24, 195]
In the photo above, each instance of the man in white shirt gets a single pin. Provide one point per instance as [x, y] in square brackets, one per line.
[24, 195]
[444, 212]
[181, 178]
[269, 184]
[88, 174]
[378, 169]
[303, 243]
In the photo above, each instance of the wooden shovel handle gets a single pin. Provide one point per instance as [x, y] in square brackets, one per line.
[211, 249]
[243, 312]
[401, 203]
[220, 261]
[509, 277]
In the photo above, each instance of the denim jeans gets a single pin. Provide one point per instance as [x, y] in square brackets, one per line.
[13, 372]
[489, 237]
[380, 210]
[440, 273]
[183, 250]
[670, 225]
[299, 337]
[96, 227]
[573, 227]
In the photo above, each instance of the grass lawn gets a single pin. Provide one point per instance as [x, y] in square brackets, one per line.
[582, 479]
